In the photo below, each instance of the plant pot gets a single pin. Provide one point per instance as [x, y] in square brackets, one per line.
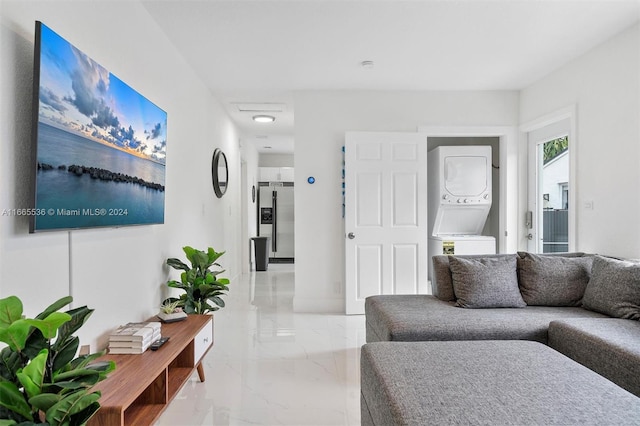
[173, 317]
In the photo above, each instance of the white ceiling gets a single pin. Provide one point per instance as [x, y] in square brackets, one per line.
[262, 51]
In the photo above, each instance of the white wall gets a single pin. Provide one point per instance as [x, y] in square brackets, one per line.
[250, 159]
[604, 84]
[119, 272]
[322, 118]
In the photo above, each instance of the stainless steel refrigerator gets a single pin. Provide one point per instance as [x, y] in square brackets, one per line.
[276, 219]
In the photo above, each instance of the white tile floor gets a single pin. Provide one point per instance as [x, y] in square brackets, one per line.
[271, 366]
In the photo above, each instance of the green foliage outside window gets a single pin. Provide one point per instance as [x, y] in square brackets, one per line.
[554, 148]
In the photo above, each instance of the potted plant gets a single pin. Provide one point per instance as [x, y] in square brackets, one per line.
[171, 312]
[41, 379]
[203, 289]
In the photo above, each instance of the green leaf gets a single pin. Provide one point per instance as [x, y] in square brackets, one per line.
[218, 301]
[4, 422]
[10, 311]
[61, 412]
[190, 275]
[49, 326]
[10, 362]
[204, 288]
[12, 399]
[85, 360]
[213, 255]
[16, 334]
[32, 375]
[81, 418]
[199, 258]
[35, 342]
[190, 306]
[55, 306]
[63, 355]
[103, 368]
[177, 264]
[83, 375]
[79, 317]
[188, 250]
[44, 401]
[176, 284]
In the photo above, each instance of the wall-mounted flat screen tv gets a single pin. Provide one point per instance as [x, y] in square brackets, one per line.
[100, 145]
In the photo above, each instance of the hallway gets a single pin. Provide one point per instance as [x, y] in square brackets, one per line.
[271, 366]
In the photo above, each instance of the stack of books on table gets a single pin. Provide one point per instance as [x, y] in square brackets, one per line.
[134, 337]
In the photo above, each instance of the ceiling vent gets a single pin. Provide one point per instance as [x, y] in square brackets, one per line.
[260, 107]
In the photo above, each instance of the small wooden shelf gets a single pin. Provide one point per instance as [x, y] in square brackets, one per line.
[140, 388]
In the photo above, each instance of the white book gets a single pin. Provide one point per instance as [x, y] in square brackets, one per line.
[134, 332]
[135, 343]
[133, 351]
[156, 325]
[131, 343]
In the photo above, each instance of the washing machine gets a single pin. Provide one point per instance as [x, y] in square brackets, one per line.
[459, 200]
[461, 245]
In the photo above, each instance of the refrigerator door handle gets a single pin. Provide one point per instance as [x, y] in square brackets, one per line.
[274, 226]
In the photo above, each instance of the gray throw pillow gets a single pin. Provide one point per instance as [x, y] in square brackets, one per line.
[486, 282]
[614, 288]
[553, 280]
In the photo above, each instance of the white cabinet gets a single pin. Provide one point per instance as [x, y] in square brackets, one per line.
[276, 174]
[203, 341]
[286, 174]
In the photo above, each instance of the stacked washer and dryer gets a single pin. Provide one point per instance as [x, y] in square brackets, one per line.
[459, 200]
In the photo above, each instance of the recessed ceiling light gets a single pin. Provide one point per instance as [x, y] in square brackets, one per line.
[367, 65]
[267, 147]
[264, 118]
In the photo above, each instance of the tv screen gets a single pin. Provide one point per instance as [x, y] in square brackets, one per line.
[100, 145]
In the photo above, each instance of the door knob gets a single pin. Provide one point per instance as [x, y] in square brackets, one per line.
[351, 235]
[529, 236]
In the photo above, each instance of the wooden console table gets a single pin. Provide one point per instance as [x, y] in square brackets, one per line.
[142, 386]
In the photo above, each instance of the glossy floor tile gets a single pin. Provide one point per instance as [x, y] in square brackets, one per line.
[271, 366]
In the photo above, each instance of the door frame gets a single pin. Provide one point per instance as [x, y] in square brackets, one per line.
[566, 113]
[507, 240]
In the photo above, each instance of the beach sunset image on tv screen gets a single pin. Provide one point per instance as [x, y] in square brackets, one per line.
[100, 145]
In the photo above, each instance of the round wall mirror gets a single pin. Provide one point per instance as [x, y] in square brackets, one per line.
[219, 172]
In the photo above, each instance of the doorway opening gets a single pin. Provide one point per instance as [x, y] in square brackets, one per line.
[275, 214]
[553, 196]
[550, 219]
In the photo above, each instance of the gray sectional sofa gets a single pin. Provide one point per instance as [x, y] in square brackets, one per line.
[507, 339]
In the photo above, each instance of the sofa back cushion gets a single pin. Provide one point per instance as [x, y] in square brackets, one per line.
[614, 288]
[553, 280]
[486, 282]
[441, 283]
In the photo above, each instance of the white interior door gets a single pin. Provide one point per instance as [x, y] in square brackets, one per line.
[385, 215]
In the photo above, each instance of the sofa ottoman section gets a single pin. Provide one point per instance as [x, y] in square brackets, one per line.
[485, 383]
[609, 346]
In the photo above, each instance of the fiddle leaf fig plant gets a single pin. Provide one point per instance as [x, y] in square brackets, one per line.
[41, 379]
[203, 289]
